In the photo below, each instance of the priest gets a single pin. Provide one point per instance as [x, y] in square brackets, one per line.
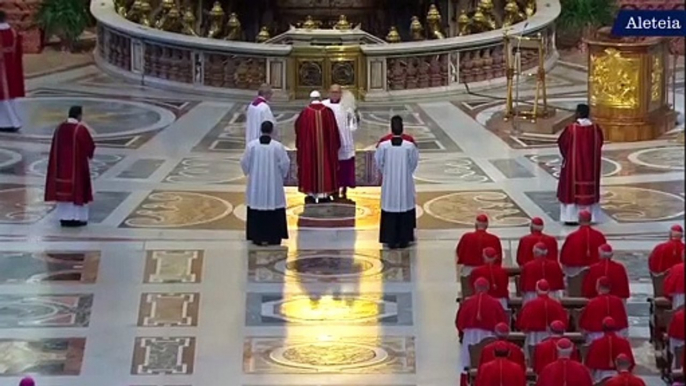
[667, 254]
[580, 248]
[614, 272]
[470, 248]
[397, 160]
[676, 333]
[266, 164]
[546, 352]
[624, 376]
[11, 76]
[258, 111]
[68, 179]
[342, 103]
[541, 268]
[495, 274]
[318, 141]
[565, 371]
[536, 315]
[525, 249]
[578, 188]
[501, 371]
[674, 284]
[601, 353]
[600, 307]
[515, 353]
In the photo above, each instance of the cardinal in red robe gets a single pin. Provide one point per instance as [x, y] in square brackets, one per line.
[565, 371]
[624, 376]
[471, 246]
[536, 315]
[676, 332]
[674, 284]
[601, 306]
[668, 254]
[612, 270]
[578, 188]
[580, 249]
[317, 140]
[525, 249]
[515, 354]
[501, 371]
[602, 352]
[495, 274]
[476, 320]
[541, 268]
[545, 352]
[68, 180]
[11, 76]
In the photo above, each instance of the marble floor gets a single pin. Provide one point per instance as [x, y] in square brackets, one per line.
[160, 289]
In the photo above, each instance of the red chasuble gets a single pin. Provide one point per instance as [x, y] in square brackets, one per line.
[581, 148]
[600, 307]
[565, 372]
[480, 311]
[516, 354]
[603, 351]
[536, 270]
[525, 250]
[616, 274]
[68, 178]
[665, 255]
[496, 276]
[501, 372]
[674, 282]
[580, 248]
[624, 379]
[676, 326]
[471, 246]
[11, 69]
[317, 140]
[388, 137]
[537, 314]
[545, 353]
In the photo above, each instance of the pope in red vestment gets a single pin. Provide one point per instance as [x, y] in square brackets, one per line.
[515, 353]
[600, 307]
[668, 254]
[581, 146]
[624, 377]
[525, 249]
[11, 76]
[501, 371]
[612, 270]
[545, 352]
[580, 249]
[539, 269]
[317, 140]
[495, 274]
[564, 371]
[674, 285]
[602, 352]
[535, 317]
[471, 246]
[68, 180]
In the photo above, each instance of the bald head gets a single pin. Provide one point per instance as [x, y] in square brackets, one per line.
[265, 91]
[623, 363]
[335, 92]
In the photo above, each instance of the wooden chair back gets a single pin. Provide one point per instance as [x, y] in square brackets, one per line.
[475, 352]
[466, 287]
[575, 283]
[658, 284]
[679, 358]
[574, 316]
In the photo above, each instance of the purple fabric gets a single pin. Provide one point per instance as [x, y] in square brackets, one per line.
[346, 173]
[28, 381]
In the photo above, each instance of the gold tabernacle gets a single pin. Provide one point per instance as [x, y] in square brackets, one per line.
[515, 47]
[627, 87]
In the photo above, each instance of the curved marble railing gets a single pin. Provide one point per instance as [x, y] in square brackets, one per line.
[400, 70]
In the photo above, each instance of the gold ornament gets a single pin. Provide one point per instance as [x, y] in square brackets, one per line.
[656, 79]
[188, 21]
[416, 29]
[393, 36]
[463, 23]
[233, 28]
[530, 8]
[433, 20]
[216, 19]
[263, 35]
[512, 14]
[614, 80]
[144, 19]
[134, 14]
[309, 23]
[342, 24]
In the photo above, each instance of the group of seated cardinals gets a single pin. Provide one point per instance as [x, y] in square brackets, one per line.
[546, 344]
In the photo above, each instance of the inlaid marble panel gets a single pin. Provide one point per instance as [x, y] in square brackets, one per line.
[276, 309]
[169, 310]
[173, 266]
[329, 355]
[551, 164]
[58, 267]
[329, 266]
[104, 203]
[21, 204]
[450, 170]
[61, 356]
[201, 170]
[636, 263]
[28, 311]
[458, 209]
[511, 168]
[141, 169]
[163, 356]
[30, 163]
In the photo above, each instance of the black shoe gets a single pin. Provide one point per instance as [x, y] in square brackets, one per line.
[81, 223]
[571, 223]
[69, 223]
[309, 200]
[9, 129]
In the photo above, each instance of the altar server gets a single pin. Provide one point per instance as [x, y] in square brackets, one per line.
[667, 254]
[601, 306]
[397, 160]
[565, 371]
[501, 371]
[541, 268]
[266, 164]
[68, 179]
[525, 249]
[11, 76]
[614, 272]
[258, 111]
[580, 249]
[343, 105]
[471, 246]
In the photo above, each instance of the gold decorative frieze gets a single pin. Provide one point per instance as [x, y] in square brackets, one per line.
[656, 79]
[614, 80]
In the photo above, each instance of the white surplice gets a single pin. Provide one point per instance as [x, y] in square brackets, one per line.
[258, 111]
[397, 165]
[66, 211]
[266, 166]
[347, 125]
[9, 108]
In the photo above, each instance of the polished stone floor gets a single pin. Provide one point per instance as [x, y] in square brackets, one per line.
[160, 289]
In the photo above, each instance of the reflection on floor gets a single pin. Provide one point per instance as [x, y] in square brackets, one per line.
[160, 289]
